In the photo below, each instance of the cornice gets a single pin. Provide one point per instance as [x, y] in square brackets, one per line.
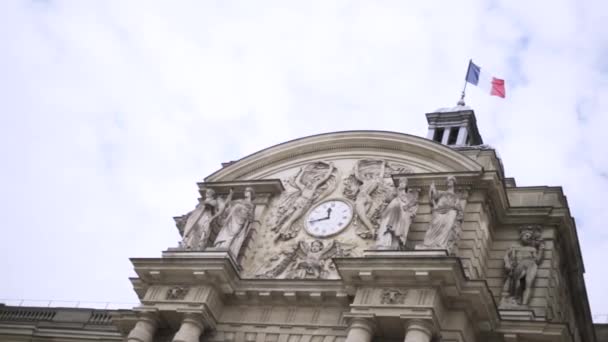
[375, 141]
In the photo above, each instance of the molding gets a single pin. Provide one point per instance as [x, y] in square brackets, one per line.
[537, 331]
[348, 141]
[260, 186]
[464, 179]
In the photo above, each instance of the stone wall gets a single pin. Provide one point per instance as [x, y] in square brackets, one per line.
[601, 332]
[251, 333]
[474, 243]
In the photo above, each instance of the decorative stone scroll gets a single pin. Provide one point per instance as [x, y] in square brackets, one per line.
[447, 216]
[305, 260]
[521, 267]
[312, 183]
[396, 218]
[370, 187]
[393, 296]
[177, 293]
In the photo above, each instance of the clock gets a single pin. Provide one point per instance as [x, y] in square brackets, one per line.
[328, 218]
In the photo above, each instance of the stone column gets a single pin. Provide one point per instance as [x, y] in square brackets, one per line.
[191, 328]
[462, 135]
[446, 135]
[144, 328]
[361, 329]
[418, 331]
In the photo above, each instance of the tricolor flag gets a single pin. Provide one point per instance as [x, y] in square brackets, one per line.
[476, 76]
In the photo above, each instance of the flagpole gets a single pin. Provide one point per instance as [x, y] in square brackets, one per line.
[464, 88]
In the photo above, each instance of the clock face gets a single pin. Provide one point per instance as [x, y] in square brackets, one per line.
[328, 218]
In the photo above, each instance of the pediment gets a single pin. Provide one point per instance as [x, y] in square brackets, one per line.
[346, 177]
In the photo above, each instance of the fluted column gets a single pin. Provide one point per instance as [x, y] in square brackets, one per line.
[418, 331]
[191, 329]
[144, 329]
[361, 329]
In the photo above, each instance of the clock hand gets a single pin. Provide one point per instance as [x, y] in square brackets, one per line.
[321, 219]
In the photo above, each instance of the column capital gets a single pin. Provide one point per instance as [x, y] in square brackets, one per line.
[425, 326]
[191, 328]
[149, 316]
[361, 327]
[145, 327]
[195, 318]
[361, 321]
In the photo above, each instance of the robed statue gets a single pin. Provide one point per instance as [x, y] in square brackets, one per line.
[196, 226]
[236, 223]
[446, 219]
[397, 217]
[371, 189]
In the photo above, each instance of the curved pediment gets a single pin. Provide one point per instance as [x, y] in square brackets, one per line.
[330, 198]
[420, 154]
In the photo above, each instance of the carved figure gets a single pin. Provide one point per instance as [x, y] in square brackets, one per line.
[521, 266]
[305, 261]
[447, 216]
[393, 297]
[310, 182]
[371, 188]
[177, 293]
[369, 182]
[196, 226]
[236, 223]
[397, 217]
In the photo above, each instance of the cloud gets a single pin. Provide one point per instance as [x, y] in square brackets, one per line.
[112, 110]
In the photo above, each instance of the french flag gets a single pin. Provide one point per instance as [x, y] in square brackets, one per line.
[484, 80]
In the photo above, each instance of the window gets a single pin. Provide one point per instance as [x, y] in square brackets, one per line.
[438, 134]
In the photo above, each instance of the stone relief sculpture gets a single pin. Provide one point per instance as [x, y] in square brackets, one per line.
[447, 216]
[177, 293]
[370, 187]
[196, 226]
[236, 223]
[393, 296]
[305, 260]
[310, 184]
[521, 266]
[397, 217]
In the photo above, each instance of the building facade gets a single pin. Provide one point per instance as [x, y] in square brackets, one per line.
[357, 236]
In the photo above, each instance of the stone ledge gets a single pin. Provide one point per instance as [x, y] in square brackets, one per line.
[517, 315]
[425, 253]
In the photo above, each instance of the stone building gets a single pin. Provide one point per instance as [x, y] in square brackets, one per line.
[354, 236]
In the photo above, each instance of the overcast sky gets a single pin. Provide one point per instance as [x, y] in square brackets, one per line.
[111, 111]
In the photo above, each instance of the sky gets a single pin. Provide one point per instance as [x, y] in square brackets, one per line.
[111, 111]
